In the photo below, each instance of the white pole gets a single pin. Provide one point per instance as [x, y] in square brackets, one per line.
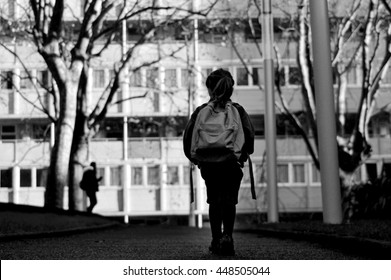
[126, 175]
[125, 94]
[193, 89]
[126, 172]
[326, 122]
[270, 118]
[125, 138]
[15, 184]
[52, 134]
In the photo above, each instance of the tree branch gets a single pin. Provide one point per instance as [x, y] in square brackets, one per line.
[130, 98]
[55, 27]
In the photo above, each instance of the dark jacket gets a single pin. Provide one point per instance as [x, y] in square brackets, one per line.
[89, 181]
[248, 130]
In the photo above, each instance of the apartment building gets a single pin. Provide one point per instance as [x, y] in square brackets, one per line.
[140, 140]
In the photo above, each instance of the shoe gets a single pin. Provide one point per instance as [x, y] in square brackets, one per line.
[227, 245]
[215, 246]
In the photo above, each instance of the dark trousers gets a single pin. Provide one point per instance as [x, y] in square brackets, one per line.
[93, 201]
[222, 186]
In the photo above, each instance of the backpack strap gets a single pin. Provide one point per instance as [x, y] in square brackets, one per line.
[253, 194]
[191, 182]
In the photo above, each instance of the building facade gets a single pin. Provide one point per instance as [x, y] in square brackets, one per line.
[138, 148]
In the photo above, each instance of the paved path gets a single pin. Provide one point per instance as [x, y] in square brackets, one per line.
[162, 242]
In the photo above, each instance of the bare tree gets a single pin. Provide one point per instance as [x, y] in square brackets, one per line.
[69, 61]
[361, 37]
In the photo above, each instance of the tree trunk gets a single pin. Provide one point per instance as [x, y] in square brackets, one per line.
[305, 66]
[341, 102]
[59, 158]
[78, 160]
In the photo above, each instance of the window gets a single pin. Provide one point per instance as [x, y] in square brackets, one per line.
[25, 80]
[170, 78]
[115, 176]
[43, 80]
[154, 175]
[42, 174]
[100, 172]
[114, 35]
[210, 32]
[282, 125]
[259, 124]
[137, 175]
[298, 173]
[183, 30]
[172, 175]
[205, 73]
[185, 78]
[352, 76]
[40, 131]
[6, 79]
[6, 178]
[257, 76]
[8, 132]
[112, 74]
[168, 33]
[25, 178]
[186, 175]
[253, 31]
[282, 29]
[137, 29]
[282, 173]
[260, 172]
[133, 33]
[294, 76]
[241, 77]
[153, 78]
[112, 128]
[135, 79]
[98, 78]
[12, 8]
[155, 101]
[371, 171]
[315, 174]
[280, 75]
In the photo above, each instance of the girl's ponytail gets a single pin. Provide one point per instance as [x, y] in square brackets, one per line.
[220, 83]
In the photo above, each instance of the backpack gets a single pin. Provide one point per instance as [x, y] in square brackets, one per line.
[218, 134]
[83, 185]
[84, 182]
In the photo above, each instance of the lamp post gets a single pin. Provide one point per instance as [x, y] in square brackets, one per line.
[270, 118]
[326, 122]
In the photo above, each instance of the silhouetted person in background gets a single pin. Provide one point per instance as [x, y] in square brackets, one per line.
[90, 184]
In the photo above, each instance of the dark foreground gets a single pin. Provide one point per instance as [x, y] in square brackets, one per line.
[31, 233]
[166, 242]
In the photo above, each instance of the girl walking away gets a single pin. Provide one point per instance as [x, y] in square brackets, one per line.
[218, 139]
